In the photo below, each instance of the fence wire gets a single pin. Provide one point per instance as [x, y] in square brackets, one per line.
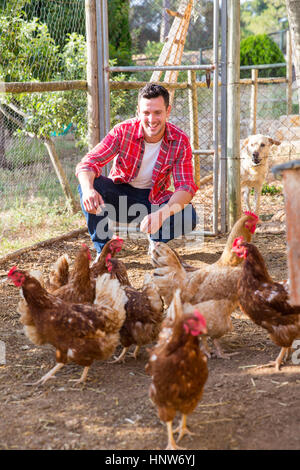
[45, 41]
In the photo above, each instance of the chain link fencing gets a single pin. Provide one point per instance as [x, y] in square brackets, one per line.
[40, 41]
[45, 42]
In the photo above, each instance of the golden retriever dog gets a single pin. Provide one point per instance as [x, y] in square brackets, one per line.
[254, 167]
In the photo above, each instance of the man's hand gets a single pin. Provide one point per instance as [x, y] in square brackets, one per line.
[92, 201]
[152, 222]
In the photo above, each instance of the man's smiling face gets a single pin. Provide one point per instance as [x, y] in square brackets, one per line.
[153, 115]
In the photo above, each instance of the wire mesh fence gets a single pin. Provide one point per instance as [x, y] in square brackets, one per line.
[42, 41]
[272, 116]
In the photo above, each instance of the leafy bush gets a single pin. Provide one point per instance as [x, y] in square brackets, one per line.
[27, 50]
[153, 49]
[259, 50]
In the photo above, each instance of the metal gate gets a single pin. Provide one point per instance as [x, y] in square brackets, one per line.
[217, 67]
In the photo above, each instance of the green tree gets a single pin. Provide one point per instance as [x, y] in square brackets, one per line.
[262, 16]
[145, 20]
[27, 50]
[62, 18]
[119, 31]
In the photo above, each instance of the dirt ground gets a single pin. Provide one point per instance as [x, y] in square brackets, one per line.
[241, 408]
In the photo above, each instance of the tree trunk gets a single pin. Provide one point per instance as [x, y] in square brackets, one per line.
[293, 9]
[71, 201]
[165, 22]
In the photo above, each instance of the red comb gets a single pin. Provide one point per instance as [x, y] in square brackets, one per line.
[191, 325]
[251, 214]
[118, 238]
[11, 271]
[116, 244]
[238, 241]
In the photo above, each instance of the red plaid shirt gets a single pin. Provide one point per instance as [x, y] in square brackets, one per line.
[126, 142]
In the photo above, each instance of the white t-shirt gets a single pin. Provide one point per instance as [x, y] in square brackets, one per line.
[143, 179]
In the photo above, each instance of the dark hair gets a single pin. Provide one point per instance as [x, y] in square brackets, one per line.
[152, 90]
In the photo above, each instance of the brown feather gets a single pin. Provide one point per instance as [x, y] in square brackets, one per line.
[144, 315]
[80, 287]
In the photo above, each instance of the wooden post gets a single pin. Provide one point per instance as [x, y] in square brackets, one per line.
[92, 74]
[289, 75]
[233, 126]
[253, 102]
[193, 111]
[223, 130]
[291, 181]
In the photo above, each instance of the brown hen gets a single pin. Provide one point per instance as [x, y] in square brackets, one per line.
[211, 289]
[80, 333]
[80, 287]
[265, 301]
[108, 263]
[178, 367]
[144, 315]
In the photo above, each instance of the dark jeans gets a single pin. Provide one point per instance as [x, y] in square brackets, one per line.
[124, 203]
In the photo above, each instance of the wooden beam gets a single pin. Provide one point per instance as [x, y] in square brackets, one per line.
[39, 87]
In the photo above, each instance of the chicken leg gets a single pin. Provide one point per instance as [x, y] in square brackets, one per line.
[135, 352]
[49, 374]
[182, 429]
[121, 357]
[219, 351]
[83, 376]
[278, 360]
[171, 441]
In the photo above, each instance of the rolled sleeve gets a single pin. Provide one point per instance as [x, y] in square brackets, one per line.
[100, 155]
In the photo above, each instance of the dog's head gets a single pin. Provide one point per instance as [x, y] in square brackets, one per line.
[258, 147]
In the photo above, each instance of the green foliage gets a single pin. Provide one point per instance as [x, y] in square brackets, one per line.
[153, 49]
[261, 49]
[48, 112]
[270, 189]
[74, 58]
[62, 18]
[119, 31]
[145, 18]
[262, 16]
[26, 49]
